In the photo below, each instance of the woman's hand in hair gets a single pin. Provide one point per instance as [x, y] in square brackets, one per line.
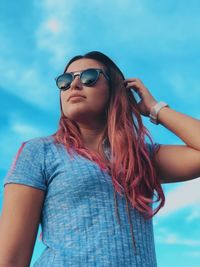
[147, 100]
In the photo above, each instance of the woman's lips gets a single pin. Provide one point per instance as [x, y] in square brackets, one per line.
[75, 95]
[75, 98]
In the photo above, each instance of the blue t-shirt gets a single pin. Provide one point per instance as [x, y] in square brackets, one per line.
[78, 220]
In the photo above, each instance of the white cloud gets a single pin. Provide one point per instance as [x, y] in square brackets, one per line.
[138, 22]
[56, 30]
[13, 136]
[27, 83]
[148, 21]
[33, 80]
[174, 239]
[181, 197]
[25, 130]
[165, 236]
[183, 82]
[193, 253]
[53, 26]
[194, 215]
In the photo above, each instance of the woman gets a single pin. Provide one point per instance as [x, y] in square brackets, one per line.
[68, 181]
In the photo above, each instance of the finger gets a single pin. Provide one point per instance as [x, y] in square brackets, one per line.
[133, 84]
[134, 80]
[137, 90]
[131, 79]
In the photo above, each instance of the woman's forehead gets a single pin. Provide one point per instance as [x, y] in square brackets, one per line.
[84, 63]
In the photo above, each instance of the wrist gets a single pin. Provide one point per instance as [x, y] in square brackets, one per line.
[154, 111]
[159, 117]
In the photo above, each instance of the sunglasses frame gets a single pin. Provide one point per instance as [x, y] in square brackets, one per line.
[79, 73]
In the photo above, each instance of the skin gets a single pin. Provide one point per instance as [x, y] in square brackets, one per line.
[88, 112]
[147, 100]
[173, 163]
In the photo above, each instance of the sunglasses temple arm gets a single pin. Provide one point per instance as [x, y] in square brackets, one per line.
[107, 77]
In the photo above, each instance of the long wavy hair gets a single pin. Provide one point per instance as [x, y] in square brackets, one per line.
[131, 167]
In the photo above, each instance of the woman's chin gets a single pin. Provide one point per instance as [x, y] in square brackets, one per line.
[76, 116]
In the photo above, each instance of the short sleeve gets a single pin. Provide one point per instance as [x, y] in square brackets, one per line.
[28, 167]
[153, 148]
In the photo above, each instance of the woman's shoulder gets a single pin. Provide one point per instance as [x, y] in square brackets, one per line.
[37, 145]
[38, 141]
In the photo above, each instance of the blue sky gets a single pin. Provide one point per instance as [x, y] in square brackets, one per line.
[157, 41]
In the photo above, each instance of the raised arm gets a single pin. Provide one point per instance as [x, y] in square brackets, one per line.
[173, 163]
[179, 163]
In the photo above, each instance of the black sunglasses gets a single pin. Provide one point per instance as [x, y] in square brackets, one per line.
[88, 77]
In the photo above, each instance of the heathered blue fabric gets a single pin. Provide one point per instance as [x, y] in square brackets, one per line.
[78, 221]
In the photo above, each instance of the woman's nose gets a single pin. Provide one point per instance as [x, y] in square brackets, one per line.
[76, 83]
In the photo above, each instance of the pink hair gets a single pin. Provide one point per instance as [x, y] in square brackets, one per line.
[131, 168]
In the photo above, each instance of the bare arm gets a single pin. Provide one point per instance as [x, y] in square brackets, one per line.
[173, 163]
[178, 163]
[19, 224]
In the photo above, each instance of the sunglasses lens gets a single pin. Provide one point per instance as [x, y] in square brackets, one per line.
[89, 77]
[63, 82]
